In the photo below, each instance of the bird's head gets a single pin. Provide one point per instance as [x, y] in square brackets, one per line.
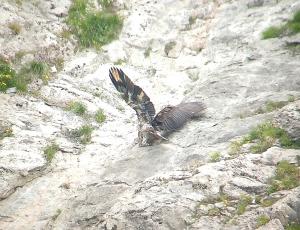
[148, 135]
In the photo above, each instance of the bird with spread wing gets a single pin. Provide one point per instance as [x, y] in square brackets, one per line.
[153, 127]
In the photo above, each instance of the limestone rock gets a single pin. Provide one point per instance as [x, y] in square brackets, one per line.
[217, 57]
[289, 119]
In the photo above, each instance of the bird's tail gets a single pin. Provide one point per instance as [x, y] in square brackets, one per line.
[195, 109]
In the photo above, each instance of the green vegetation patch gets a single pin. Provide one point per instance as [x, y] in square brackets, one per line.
[266, 202]
[15, 27]
[286, 177]
[83, 134]
[50, 150]
[77, 107]
[6, 132]
[106, 4]
[242, 204]
[147, 52]
[215, 156]
[262, 220]
[100, 116]
[265, 136]
[34, 70]
[293, 226]
[56, 215]
[93, 29]
[272, 105]
[9, 78]
[236, 146]
[287, 29]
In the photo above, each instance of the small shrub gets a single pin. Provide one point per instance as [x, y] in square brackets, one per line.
[50, 150]
[15, 27]
[83, 134]
[93, 29]
[215, 156]
[286, 177]
[77, 107]
[262, 220]
[242, 204]
[9, 78]
[100, 116]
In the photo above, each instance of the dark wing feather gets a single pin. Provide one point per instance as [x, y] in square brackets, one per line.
[135, 97]
[172, 118]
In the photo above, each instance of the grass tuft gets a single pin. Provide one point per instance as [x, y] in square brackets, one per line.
[272, 105]
[49, 151]
[105, 3]
[293, 226]
[265, 136]
[33, 70]
[242, 204]
[215, 156]
[236, 146]
[56, 215]
[83, 134]
[290, 28]
[38, 68]
[93, 29]
[100, 116]
[262, 220]
[15, 27]
[147, 52]
[77, 107]
[272, 32]
[7, 132]
[286, 177]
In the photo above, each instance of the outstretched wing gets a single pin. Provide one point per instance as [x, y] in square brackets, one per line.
[172, 118]
[135, 97]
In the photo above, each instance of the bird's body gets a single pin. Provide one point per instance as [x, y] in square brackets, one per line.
[153, 127]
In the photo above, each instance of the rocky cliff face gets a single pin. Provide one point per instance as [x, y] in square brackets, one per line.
[176, 51]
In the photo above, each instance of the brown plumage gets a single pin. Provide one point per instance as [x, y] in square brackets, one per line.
[153, 127]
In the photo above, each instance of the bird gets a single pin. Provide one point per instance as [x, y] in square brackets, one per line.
[153, 127]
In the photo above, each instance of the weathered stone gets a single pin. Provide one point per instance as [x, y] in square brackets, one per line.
[275, 154]
[289, 119]
[110, 183]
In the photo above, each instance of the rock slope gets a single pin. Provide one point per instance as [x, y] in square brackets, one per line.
[176, 51]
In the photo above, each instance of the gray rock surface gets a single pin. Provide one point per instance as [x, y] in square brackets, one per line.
[218, 57]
